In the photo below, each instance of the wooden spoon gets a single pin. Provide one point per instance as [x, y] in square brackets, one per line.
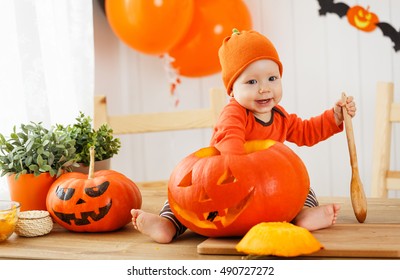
[358, 200]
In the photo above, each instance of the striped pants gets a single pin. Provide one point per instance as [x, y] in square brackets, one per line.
[311, 201]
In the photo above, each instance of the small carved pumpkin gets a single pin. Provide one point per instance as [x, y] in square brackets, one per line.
[362, 18]
[226, 195]
[278, 239]
[95, 202]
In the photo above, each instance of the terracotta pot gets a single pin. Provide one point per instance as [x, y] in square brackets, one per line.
[98, 165]
[30, 190]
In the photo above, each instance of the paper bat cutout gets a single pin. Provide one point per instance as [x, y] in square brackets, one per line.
[328, 6]
[390, 32]
[361, 19]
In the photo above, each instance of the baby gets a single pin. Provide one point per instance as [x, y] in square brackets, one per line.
[251, 72]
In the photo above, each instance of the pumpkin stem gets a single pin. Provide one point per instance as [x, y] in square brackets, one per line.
[235, 31]
[91, 163]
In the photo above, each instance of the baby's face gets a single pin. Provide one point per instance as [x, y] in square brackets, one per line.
[259, 88]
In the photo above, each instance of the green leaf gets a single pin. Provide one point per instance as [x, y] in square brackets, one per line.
[34, 168]
[45, 168]
[28, 160]
[14, 136]
[40, 160]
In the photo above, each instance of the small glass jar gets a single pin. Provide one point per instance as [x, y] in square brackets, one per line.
[8, 218]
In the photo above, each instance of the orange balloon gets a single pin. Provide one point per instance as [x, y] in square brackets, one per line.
[150, 26]
[196, 54]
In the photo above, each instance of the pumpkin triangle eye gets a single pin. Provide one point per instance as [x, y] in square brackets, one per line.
[186, 181]
[227, 178]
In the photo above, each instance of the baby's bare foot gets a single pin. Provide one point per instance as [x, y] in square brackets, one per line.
[156, 227]
[319, 217]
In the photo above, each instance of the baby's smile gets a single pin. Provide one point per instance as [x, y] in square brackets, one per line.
[264, 101]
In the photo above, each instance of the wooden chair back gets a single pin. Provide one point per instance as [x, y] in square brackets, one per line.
[161, 121]
[387, 113]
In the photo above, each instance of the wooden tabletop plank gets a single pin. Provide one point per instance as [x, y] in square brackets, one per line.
[339, 241]
[130, 244]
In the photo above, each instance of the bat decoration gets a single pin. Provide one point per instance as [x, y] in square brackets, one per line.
[329, 6]
[361, 19]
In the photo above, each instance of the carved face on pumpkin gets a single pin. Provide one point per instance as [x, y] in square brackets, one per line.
[225, 195]
[362, 18]
[93, 205]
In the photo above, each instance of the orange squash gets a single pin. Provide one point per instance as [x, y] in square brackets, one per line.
[95, 202]
[278, 239]
[226, 195]
[362, 18]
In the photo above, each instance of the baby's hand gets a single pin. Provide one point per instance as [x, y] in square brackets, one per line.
[350, 106]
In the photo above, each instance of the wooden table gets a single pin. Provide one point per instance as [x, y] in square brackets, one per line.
[129, 244]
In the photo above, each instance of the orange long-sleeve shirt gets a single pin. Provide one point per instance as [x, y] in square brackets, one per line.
[236, 125]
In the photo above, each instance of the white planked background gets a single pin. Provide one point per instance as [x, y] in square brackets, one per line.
[322, 56]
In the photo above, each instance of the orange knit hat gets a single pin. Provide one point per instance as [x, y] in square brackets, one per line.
[239, 50]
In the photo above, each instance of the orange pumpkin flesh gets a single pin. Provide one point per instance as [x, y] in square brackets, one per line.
[225, 195]
[362, 19]
[278, 239]
[97, 202]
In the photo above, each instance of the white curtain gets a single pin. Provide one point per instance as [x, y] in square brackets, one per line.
[46, 63]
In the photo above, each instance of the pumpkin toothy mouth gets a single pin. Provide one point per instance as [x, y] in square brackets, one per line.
[215, 219]
[84, 220]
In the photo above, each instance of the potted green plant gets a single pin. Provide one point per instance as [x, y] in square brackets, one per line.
[103, 140]
[32, 158]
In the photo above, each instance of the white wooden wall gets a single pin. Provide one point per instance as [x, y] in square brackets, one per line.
[322, 56]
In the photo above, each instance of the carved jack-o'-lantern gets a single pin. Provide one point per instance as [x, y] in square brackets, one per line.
[95, 202]
[362, 18]
[225, 195]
